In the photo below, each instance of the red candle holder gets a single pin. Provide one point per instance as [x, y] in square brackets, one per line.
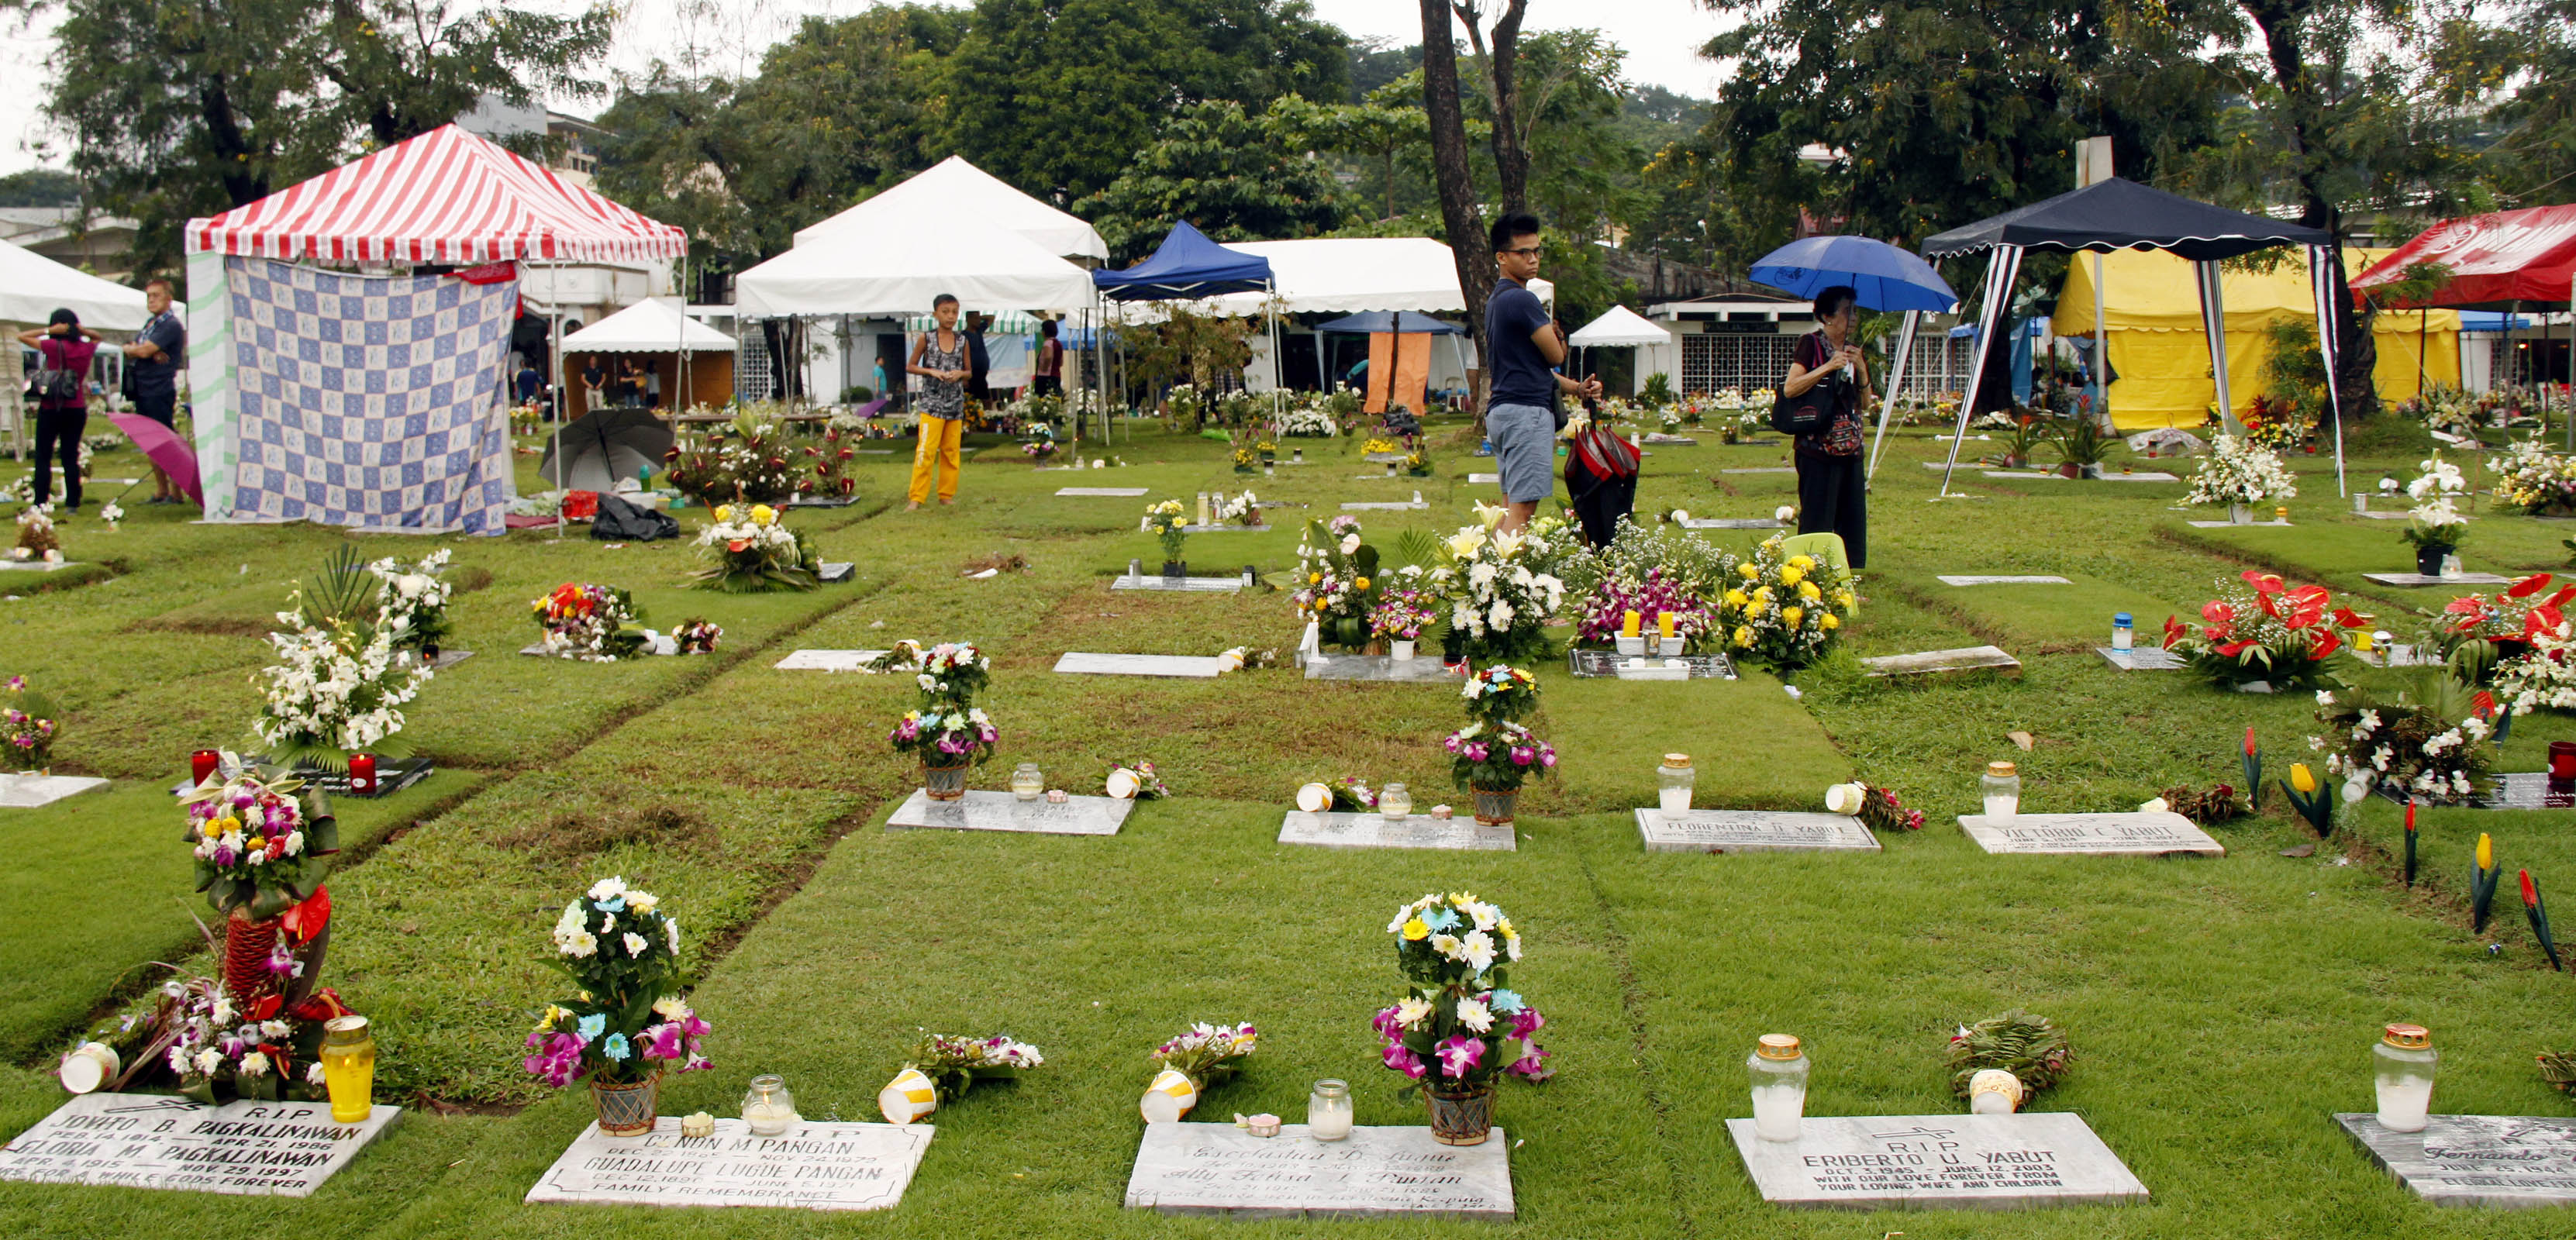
[202, 764]
[362, 774]
[2562, 760]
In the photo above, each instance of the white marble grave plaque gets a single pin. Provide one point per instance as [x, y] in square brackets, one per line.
[2243, 525]
[2455, 579]
[2143, 475]
[1373, 1173]
[39, 566]
[2132, 834]
[1941, 662]
[1383, 458]
[2375, 515]
[1730, 523]
[1679, 441]
[828, 660]
[1767, 469]
[1102, 492]
[1949, 579]
[2497, 1161]
[1460, 831]
[1385, 506]
[1751, 830]
[1079, 663]
[1484, 478]
[1420, 669]
[1225, 529]
[33, 791]
[2018, 473]
[2142, 659]
[283, 1149]
[812, 1166]
[1179, 585]
[1978, 1162]
[981, 810]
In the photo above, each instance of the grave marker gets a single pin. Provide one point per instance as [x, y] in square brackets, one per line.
[2455, 579]
[981, 810]
[1078, 663]
[1751, 830]
[35, 791]
[1420, 669]
[1945, 662]
[1730, 523]
[1372, 830]
[828, 660]
[1374, 1173]
[2242, 525]
[2496, 1161]
[1179, 585]
[1959, 1161]
[1102, 492]
[1949, 579]
[283, 1149]
[1767, 469]
[812, 1166]
[2134, 834]
[2142, 659]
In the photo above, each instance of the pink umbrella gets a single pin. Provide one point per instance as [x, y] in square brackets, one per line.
[163, 447]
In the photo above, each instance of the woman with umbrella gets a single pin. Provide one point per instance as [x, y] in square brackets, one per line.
[1833, 497]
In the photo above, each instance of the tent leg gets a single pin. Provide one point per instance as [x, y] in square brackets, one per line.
[554, 345]
[1895, 379]
[2213, 324]
[2320, 283]
[2000, 269]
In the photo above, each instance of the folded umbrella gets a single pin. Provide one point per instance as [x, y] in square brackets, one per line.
[604, 446]
[163, 447]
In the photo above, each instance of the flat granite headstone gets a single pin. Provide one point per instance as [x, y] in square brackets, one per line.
[36, 791]
[1374, 1173]
[982, 810]
[1730, 523]
[2144, 475]
[1385, 506]
[1751, 830]
[1074, 662]
[1386, 458]
[2142, 659]
[1412, 831]
[2244, 525]
[1680, 441]
[1976, 1162]
[831, 572]
[39, 566]
[1225, 529]
[1179, 585]
[2134, 834]
[2017, 473]
[1592, 663]
[1767, 469]
[822, 501]
[449, 658]
[2376, 515]
[282, 1149]
[1949, 579]
[1103, 492]
[811, 1166]
[1420, 669]
[2419, 579]
[1941, 662]
[2503, 1162]
[1484, 478]
[828, 660]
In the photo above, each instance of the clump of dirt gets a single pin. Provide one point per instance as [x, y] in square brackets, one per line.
[574, 836]
[997, 562]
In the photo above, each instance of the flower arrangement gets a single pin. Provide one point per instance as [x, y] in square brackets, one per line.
[2480, 634]
[411, 599]
[2429, 749]
[954, 1064]
[1459, 1025]
[697, 636]
[258, 847]
[1496, 752]
[749, 550]
[220, 1050]
[751, 459]
[584, 621]
[1039, 450]
[1350, 796]
[1500, 596]
[1311, 421]
[1605, 612]
[1401, 615]
[1238, 658]
[2436, 520]
[1417, 464]
[1244, 509]
[1785, 611]
[1377, 445]
[1135, 780]
[2240, 472]
[2265, 631]
[36, 537]
[1209, 1055]
[1879, 809]
[1337, 580]
[946, 728]
[626, 1021]
[2277, 427]
[1169, 523]
[2535, 479]
[1246, 461]
[335, 691]
[110, 514]
[2030, 1047]
[27, 727]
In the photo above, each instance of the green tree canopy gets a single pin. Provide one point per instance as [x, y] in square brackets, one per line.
[1224, 171]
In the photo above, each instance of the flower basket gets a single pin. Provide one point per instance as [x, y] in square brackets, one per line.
[944, 783]
[627, 1110]
[1462, 1116]
[248, 943]
[1493, 809]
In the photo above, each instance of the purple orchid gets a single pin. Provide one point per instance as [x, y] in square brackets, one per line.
[1459, 1055]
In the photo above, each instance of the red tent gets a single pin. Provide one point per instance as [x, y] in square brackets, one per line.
[2524, 258]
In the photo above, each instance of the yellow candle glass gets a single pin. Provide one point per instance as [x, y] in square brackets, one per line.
[349, 1068]
[1664, 624]
[1628, 622]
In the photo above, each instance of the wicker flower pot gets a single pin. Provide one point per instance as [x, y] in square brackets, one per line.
[944, 783]
[247, 944]
[627, 1110]
[1461, 1117]
[1494, 808]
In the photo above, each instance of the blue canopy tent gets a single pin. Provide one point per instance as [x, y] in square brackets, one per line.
[1188, 266]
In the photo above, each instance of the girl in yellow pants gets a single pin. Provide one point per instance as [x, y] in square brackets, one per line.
[939, 357]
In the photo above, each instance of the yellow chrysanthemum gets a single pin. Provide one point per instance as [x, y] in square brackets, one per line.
[1847, 599]
[1807, 590]
[763, 514]
[1829, 621]
[724, 512]
[1792, 575]
[1361, 584]
[1801, 562]
[1415, 931]
[1791, 615]
[1743, 635]
[1749, 571]
[1737, 598]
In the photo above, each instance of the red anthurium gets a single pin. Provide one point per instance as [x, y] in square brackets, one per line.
[2483, 705]
[2347, 618]
[2565, 595]
[306, 919]
[2529, 586]
[2307, 606]
[737, 546]
[264, 1007]
[2325, 642]
[2263, 582]
[2269, 607]
[2174, 631]
[2218, 613]
[2232, 649]
[2542, 620]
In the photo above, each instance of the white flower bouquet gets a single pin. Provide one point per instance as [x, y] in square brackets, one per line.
[1499, 593]
[412, 600]
[2535, 479]
[333, 692]
[749, 550]
[2238, 472]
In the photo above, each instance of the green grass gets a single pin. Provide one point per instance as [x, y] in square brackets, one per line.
[2221, 1009]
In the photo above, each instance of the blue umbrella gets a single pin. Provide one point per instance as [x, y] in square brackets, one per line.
[1886, 277]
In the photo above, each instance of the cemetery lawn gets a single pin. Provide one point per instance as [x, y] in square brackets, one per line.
[2222, 1009]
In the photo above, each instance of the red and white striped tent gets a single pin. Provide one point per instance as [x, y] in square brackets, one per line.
[445, 197]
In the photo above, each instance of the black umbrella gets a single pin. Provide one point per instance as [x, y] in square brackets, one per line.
[1601, 480]
[604, 446]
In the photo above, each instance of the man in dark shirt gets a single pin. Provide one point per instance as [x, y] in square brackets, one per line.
[1526, 344]
[153, 359]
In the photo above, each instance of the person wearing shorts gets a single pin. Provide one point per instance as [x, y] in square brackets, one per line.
[153, 359]
[1526, 345]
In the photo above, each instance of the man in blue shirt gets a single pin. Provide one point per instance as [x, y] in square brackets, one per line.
[153, 361]
[1527, 345]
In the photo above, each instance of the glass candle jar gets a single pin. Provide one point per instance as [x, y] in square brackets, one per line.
[2124, 631]
[768, 1109]
[1395, 802]
[1028, 783]
[1673, 783]
[362, 774]
[2002, 786]
[2405, 1058]
[1778, 1070]
[349, 1068]
[1328, 1111]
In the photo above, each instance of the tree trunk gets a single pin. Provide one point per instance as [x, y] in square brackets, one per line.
[2357, 354]
[1467, 244]
[1511, 149]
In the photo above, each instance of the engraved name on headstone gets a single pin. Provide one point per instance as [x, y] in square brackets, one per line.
[2498, 1161]
[986, 810]
[813, 1166]
[283, 1149]
[1751, 830]
[1374, 1173]
[2134, 834]
[1336, 830]
[1972, 1161]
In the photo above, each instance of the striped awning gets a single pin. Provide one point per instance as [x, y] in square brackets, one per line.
[446, 196]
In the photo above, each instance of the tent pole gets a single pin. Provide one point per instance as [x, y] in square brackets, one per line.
[554, 345]
[2213, 322]
[2000, 269]
[2101, 350]
[2321, 283]
[1895, 379]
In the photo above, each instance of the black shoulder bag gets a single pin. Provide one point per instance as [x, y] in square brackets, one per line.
[1807, 413]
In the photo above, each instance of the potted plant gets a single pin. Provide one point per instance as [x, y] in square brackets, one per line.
[2437, 524]
[1496, 753]
[2083, 446]
[1337, 576]
[1169, 522]
[1398, 620]
[264, 841]
[945, 729]
[626, 1019]
[2025, 439]
[412, 601]
[1459, 1027]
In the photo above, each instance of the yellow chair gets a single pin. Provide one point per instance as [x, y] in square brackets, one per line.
[1825, 548]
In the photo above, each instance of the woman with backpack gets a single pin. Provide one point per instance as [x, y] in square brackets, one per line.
[60, 391]
[1828, 377]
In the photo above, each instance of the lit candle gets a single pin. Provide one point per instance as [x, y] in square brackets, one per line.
[1328, 1111]
[362, 774]
[202, 764]
[1628, 622]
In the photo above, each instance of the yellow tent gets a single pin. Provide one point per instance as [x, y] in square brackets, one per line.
[2161, 355]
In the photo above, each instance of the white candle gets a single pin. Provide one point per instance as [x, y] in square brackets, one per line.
[1676, 800]
[2405, 1106]
[1776, 1111]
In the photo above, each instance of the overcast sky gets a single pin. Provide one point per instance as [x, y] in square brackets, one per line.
[1662, 38]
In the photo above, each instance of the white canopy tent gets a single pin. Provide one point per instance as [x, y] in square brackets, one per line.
[1658, 351]
[908, 255]
[32, 287]
[956, 188]
[650, 326]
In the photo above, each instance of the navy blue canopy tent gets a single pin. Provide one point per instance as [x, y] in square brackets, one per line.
[1186, 265]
